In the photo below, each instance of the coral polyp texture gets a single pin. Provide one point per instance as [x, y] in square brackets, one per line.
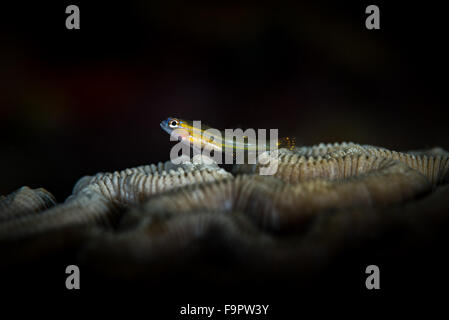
[321, 201]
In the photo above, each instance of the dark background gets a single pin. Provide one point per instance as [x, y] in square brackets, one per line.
[75, 102]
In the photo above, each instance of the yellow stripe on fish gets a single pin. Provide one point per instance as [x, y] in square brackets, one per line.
[201, 136]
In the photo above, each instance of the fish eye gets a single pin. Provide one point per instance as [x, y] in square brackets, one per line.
[173, 123]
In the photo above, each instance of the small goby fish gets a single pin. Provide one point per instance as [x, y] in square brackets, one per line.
[201, 137]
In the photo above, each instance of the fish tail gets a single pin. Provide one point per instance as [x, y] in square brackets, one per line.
[287, 142]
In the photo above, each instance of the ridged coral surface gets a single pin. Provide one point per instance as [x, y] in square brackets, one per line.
[320, 200]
